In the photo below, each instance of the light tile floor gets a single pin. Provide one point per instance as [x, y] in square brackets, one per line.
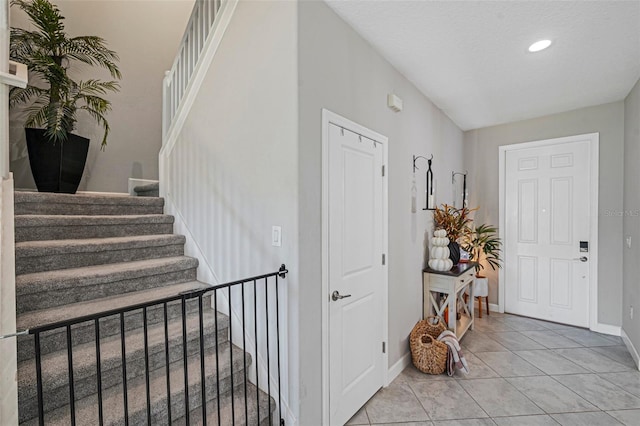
[523, 372]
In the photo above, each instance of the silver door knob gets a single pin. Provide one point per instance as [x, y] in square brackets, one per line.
[337, 296]
[581, 259]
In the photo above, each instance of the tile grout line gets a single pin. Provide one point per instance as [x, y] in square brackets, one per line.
[418, 399]
[474, 400]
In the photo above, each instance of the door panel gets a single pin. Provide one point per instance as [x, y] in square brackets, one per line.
[355, 269]
[547, 209]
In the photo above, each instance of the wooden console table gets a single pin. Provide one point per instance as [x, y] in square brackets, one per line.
[452, 284]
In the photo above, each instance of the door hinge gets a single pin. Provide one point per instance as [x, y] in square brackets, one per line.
[382, 170]
[384, 347]
[384, 259]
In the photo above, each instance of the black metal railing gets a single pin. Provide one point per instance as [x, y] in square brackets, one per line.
[267, 285]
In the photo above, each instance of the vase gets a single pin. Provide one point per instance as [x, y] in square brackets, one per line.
[454, 252]
[56, 167]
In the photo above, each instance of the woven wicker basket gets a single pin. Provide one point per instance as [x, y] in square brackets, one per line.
[433, 326]
[428, 354]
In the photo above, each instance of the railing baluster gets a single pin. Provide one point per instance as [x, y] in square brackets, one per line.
[244, 354]
[99, 373]
[124, 370]
[255, 330]
[146, 363]
[203, 383]
[166, 360]
[39, 378]
[72, 396]
[215, 309]
[199, 26]
[233, 411]
[185, 360]
[266, 316]
[278, 352]
[204, 24]
[212, 11]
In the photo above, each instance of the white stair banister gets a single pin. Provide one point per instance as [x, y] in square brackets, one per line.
[207, 24]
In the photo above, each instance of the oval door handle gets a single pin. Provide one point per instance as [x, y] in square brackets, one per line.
[581, 259]
[337, 296]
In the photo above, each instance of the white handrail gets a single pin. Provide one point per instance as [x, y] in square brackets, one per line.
[176, 81]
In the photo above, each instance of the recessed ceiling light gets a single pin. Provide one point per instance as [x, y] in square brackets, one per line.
[539, 45]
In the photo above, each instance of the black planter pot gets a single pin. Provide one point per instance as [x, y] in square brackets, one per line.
[56, 167]
[454, 252]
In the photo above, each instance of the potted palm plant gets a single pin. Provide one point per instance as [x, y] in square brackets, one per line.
[484, 242]
[53, 99]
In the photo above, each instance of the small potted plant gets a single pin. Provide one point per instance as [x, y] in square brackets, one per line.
[457, 223]
[53, 99]
[483, 242]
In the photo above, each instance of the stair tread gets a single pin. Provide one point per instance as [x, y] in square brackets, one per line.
[70, 220]
[84, 198]
[97, 274]
[34, 319]
[39, 248]
[55, 364]
[87, 408]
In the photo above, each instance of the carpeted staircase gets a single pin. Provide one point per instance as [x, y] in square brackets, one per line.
[83, 254]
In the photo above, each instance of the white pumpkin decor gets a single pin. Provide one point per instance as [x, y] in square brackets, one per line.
[439, 254]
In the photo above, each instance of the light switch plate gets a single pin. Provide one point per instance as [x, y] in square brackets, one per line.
[276, 236]
[629, 242]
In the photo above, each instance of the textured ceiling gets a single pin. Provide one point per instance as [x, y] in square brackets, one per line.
[470, 57]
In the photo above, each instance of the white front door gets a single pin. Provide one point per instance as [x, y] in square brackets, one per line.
[356, 238]
[547, 217]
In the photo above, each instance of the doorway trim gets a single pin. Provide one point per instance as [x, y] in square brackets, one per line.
[329, 117]
[594, 153]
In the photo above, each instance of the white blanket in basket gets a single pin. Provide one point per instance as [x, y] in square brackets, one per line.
[455, 358]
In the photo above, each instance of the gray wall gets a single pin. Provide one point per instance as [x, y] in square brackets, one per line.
[340, 71]
[481, 159]
[631, 288]
[146, 35]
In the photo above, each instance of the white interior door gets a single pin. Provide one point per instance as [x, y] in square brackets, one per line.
[547, 216]
[356, 238]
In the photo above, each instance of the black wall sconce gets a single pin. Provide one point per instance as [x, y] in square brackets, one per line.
[464, 186]
[430, 196]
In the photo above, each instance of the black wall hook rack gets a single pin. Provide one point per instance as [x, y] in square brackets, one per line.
[464, 185]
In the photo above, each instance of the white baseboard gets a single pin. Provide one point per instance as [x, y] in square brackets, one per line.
[493, 307]
[398, 367]
[613, 330]
[632, 349]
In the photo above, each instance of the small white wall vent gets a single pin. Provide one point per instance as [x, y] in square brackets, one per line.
[394, 102]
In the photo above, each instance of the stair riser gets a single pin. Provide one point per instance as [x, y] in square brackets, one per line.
[159, 406]
[83, 333]
[58, 261]
[243, 417]
[57, 297]
[159, 411]
[57, 393]
[42, 233]
[152, 193]
[85, 209]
